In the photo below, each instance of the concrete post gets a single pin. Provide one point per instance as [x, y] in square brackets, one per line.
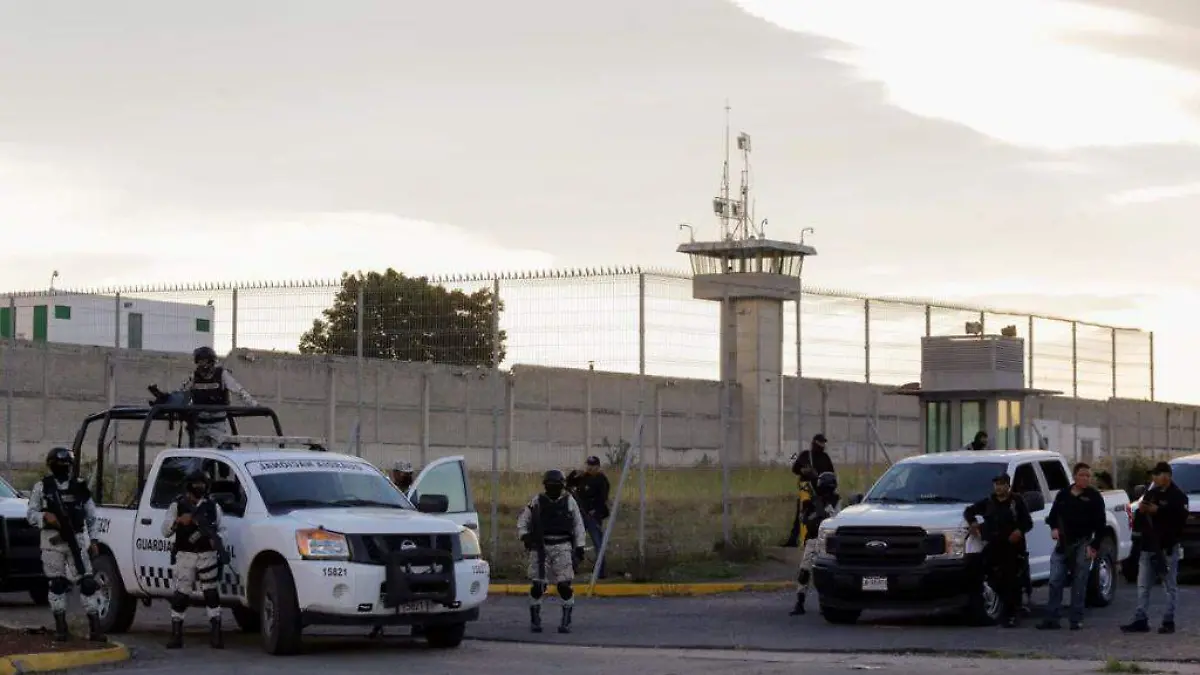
[425, 430]
[233, 322]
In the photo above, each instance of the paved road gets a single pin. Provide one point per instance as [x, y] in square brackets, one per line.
[740, 622]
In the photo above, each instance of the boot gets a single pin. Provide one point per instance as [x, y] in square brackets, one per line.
[799, 608]
[1137, 626]
[176, 640]
[535, 618]
[61, 634]
[94, 632]
[565, 626]
[215, 638]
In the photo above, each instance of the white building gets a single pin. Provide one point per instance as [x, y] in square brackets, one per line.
[137, 323]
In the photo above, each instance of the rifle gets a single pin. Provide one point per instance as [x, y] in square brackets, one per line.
[535, 533]
[208, 529]
[52, 502]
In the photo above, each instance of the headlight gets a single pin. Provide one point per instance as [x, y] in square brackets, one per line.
[956, 542]
[823, 540]
[322, 545]
[469, 541]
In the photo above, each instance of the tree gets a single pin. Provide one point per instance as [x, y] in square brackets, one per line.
[407, 319]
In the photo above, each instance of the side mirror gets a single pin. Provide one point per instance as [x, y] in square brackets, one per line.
[21, 494]
[856, 499]
[1138, 492]
[1034, 501]
[429, 503]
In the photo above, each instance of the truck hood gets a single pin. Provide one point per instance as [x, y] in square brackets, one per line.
[929, 516]
[12, 508]
[372, 521]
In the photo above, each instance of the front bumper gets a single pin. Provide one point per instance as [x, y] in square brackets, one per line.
[932, 585]
[20, 556]
[345, 593]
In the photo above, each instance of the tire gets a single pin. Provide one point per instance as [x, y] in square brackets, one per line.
[841, 617]
[248, 620]
[985, 607]
[1102, 582]
[117, 608]
[280, 612]
[40, 594]
[1129, 568]
[446, 636]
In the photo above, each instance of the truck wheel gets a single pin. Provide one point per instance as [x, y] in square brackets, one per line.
[40, 594]
[280, 612]
[844, 617]
[247, 619]
[984, 607]
[445, 637]
[1129, 568]
[117, 608]
[1102, 582]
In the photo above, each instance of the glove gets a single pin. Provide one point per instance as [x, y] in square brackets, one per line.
[527, 539]
[577, 558]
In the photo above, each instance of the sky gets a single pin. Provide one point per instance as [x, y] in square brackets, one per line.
[1024, 154]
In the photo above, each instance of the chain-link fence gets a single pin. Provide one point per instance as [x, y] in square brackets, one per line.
[394, 368]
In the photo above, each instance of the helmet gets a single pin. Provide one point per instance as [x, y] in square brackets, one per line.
[827, 482]
[203, 354]
[554, 477]
[196, 477]
[60, 456]
[403, 467]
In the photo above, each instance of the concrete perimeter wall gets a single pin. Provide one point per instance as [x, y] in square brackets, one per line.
[536, 417]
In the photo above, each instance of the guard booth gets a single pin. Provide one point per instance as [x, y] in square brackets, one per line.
[971, 383]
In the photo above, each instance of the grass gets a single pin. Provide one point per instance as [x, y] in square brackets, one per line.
[683, 520]
[1115, 666]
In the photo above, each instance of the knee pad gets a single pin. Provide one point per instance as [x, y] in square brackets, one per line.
[179, 601]
[803, 577]
[565, 590]
[59, 585]
[537, 589]
[88, 585]
[212, 598]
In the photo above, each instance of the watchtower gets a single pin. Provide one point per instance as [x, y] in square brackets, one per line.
[751, 276]
[971, 383]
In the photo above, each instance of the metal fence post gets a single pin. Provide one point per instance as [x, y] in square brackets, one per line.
[9, 354]
[1031, 351]
[498, 395]
[1114, 362]
[1151, 365]
[1074, 360]
[616, 507]
[359, 311]
[116, 388]
[928, 321]
[726, 449]
[641, 531]
[867, 339]
[233, 322]
[799, 373]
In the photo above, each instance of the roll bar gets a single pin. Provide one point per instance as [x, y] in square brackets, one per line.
[147, 415]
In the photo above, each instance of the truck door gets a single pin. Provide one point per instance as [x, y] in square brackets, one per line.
[1038, 543]
[448, 476]
[151, 550]
[230, 494]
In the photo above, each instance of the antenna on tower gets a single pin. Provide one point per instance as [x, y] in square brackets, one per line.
[723, 207]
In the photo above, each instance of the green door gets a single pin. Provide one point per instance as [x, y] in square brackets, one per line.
[41, 323]
[6, 326]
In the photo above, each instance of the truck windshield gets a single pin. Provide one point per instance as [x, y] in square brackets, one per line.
[1187, 477]
[6, 491]
[922, 483]
[323, 489]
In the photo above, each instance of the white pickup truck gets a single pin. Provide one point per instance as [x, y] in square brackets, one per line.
[20, 548]
[905, 545]
[314, 538]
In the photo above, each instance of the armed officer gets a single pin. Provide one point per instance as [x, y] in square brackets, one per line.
[211, 384]
[196, 556]
[813, 511]
[61, 506]
[1006, 521]
[551, 527]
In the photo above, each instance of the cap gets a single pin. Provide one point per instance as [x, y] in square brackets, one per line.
[1002, 478]
[1161, 467]
[820, 438]
[593, 461]
[403, 467]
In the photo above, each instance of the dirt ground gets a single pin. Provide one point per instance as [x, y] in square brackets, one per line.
[37, 641]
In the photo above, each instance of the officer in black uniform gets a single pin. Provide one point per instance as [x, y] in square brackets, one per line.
[61, 492]
[1006, 521]
[822, 504]
[195, 558]
[551, 527]
[211, 384]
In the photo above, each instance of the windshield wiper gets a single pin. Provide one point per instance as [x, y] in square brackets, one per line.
[365, 502]
[889, 500]
[938, 499]
[299, 502]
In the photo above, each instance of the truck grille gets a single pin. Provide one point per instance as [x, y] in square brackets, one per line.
[374, 549]
[20, 548]
[884, 546]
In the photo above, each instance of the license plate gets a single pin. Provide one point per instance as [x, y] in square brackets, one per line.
[418, 607]
[874, 584]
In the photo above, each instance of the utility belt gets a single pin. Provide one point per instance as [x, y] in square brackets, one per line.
[551, 539]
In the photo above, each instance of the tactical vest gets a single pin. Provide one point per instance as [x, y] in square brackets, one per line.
[210, 391]
[74, 500]
[554, 519]
[989, 517]
[188, 537]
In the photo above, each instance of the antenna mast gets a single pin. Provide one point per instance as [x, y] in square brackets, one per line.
[728, 210]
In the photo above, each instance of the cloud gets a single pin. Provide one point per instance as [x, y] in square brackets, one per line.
[1015, 70]
[1154, 193]
[96, 232]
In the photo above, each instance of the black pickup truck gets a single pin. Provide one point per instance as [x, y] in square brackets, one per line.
[20, 548]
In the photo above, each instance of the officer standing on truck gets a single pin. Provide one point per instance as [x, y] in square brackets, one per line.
[211, 384]
[551, 527]
[195, 558]
[1160, 520]
[813, 511]
[61, 506]
[1076, 520]
[1006, 522]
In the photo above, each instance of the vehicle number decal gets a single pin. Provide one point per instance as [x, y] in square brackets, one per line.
[335, 571]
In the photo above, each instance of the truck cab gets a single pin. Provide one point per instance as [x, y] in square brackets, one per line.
[20, 548]
[905, 545]
[313, 537]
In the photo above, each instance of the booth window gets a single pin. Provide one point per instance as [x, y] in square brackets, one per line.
[937, 426]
